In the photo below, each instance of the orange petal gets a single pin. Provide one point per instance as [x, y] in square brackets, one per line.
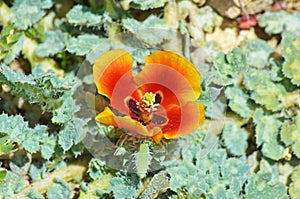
[183, 120]
[172, 71]
[136, 128]
[157, 137]
[113, 77]
[106, 117]
[125, 122]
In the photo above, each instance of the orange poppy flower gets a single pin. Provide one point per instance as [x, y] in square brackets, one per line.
[159, 102]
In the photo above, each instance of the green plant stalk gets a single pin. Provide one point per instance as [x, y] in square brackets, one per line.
[4, 13]
[67, 173]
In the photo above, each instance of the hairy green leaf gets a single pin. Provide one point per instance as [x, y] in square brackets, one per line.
[12, 184]
[27, 12]
[144, 30]
[290, 52]
[81, 15]
[267, 134]
[257, 52]
[147, 4]
[294, 190]
[235, 139]
[280, 22]
[72, 133]
[264, 90]
[96, 168]
[18, 130]
[229, 67]
[259, 186]
[235, 173]
[83, 44]
[37, 170]
[238, 101]
[60, 190]
[34, 194]
[39, 87]
[54, 43]
[124, 186]
[290, 134]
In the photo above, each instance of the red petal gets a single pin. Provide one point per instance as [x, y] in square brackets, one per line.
[183, 120]
[113, 77]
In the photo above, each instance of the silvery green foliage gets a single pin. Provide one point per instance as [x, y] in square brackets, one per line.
[148, 4]
[267, 129]
[238, 101]
[290, 134]
[229, 67]
[83, 44]
[257, 52]
[143, 31]
[54, 43]
[27, 12]
[264, 91]
[81, 15]
[290, 51]
[60, 190]
[280, 22]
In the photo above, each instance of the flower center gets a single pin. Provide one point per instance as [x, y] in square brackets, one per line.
[144, 110]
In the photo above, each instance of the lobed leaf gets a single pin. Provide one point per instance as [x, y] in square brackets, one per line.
[82, 15]
[259, 186]
[144, 30]
[264, 90]
[147, 4]
[83, 44]
[24, 13]
[280, 22]
[124, 186]
[12, 184]
[267, 134]
[235, 139]
[257, 52]
[72, 133]
[34, 194]
[96, 168]
[229, 67]
[39, 87]
[294, 190]
[238, 101]
[18, 130]
[290, 52]
[290, 134]
[54, 43]
[59, 190]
